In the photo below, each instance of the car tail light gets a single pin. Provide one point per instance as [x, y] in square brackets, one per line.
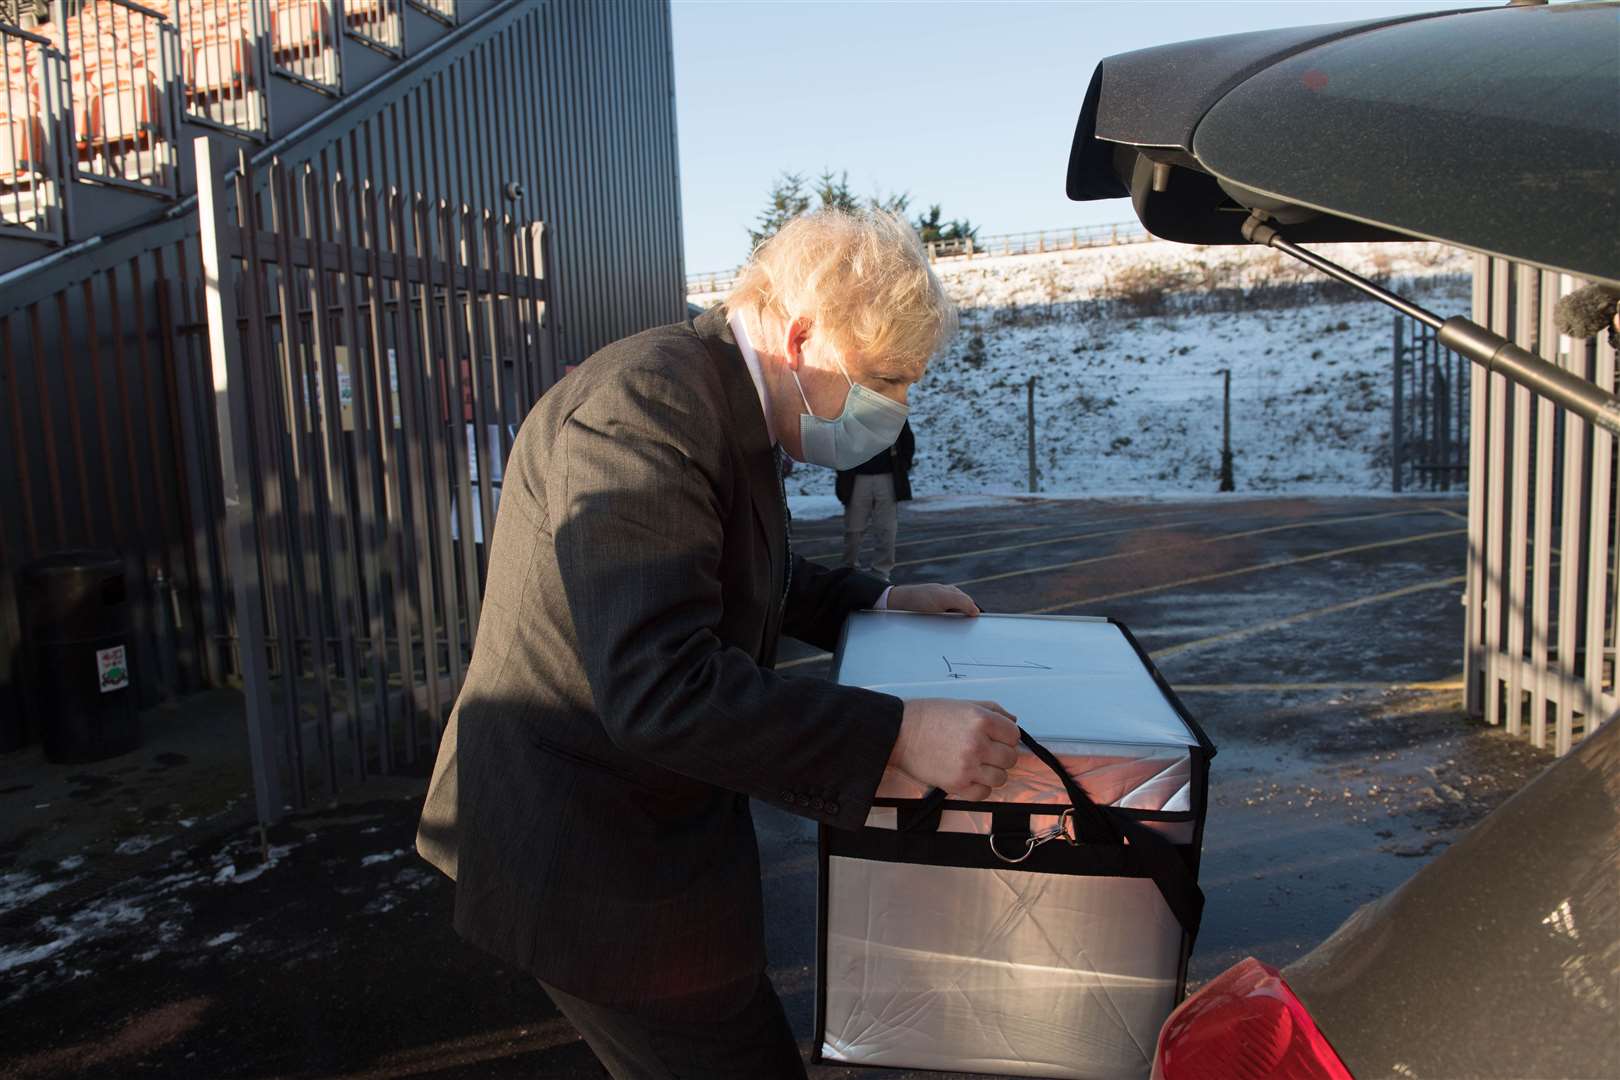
[1245, 1025]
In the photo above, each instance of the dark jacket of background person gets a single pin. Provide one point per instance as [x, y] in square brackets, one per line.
[896, 459]
[591, 791]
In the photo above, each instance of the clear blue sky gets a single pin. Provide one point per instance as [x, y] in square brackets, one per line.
[971, 105]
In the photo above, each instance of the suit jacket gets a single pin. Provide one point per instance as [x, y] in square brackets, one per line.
[899, 465]
[591, 791]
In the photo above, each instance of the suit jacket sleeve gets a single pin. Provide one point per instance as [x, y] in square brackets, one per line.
[638, 533]
[821, 598]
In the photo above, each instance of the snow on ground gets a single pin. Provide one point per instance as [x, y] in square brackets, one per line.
[1129, 404]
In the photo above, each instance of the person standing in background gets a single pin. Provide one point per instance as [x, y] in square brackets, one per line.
[872, 493]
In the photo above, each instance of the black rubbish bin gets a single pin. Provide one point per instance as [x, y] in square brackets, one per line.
[74, 610]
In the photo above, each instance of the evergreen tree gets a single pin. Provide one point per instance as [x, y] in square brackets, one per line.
[935, 231]
[787, 201]
[834, 193]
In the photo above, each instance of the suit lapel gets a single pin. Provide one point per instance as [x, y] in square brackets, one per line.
[757, 454]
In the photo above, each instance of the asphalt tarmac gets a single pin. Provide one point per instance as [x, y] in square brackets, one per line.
[1318, 641]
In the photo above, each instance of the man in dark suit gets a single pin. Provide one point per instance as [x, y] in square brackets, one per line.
[872, 493]
[591, 791]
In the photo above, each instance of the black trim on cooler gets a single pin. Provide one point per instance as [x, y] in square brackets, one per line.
[1205, 743]
[1103, 827]
[1047, 809]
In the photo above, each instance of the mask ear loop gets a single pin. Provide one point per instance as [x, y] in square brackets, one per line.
[841, 370]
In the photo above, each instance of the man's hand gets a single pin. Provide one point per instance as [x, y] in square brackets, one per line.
[965, 747]
[931, 598]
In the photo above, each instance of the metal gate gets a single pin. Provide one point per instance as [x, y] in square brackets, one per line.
[1541, 600]
[1429, 422]
[372, 356]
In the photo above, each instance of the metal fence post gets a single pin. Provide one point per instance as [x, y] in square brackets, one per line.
[1228, 483]
[1396, 439]
[1033, 486]
[231, 409]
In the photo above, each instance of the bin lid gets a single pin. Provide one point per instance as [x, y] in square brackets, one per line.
[1063, 677]
[72, 561]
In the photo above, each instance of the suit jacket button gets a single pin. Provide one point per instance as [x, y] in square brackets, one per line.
[804, 800]
[832, 808]
[816, 804]
[787, 797]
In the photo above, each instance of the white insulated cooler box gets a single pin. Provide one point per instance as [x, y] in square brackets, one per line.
[1044, 932]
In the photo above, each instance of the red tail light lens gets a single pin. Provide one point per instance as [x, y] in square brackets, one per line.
[1245, 1025]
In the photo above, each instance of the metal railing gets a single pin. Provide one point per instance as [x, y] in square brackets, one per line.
[1542, 602]
[443, 10]
[1429, 414]
[1024, 243]
[350, 353]
[224, 60]
[34, 135]
[124, 72]
[304, 43]
[379, 24]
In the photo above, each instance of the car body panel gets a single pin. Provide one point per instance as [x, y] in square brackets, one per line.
[1494, 129]
[1499, 959]
[1498, 132]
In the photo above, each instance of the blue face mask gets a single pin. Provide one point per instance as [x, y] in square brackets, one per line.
[869, 424]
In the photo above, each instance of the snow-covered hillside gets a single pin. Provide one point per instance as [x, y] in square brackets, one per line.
[1129, 403]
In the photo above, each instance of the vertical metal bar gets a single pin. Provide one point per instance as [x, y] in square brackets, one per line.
[1571, 556]
[416, 484]
[236, 465]
[1597, 542]
[270, 487]
[437, 434]
[1397, 433]
[457, 349]
[1495, 571]
[337, 538]
[391, 530]
[1543, 688]
[1611, 656]
[520, 305]
[300, 491]
[550, 313]
[1519, 537]
[1030, 417]
[489, 308]
[477, 377]
[371, 543]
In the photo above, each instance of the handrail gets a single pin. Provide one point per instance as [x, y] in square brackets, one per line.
[142, 8]
[39, 279]
[27, 35]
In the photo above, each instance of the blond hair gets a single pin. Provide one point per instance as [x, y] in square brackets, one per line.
[861, 278]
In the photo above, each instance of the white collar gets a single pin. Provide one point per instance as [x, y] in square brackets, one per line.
[751, 358]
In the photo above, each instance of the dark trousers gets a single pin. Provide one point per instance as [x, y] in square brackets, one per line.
[754, 1044]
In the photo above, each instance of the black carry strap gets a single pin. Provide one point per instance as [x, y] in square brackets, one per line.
[1150, 851]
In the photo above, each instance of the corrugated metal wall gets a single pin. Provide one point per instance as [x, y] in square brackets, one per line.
[559, 111]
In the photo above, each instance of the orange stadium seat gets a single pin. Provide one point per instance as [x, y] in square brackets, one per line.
[22, 145]
[124, 113]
